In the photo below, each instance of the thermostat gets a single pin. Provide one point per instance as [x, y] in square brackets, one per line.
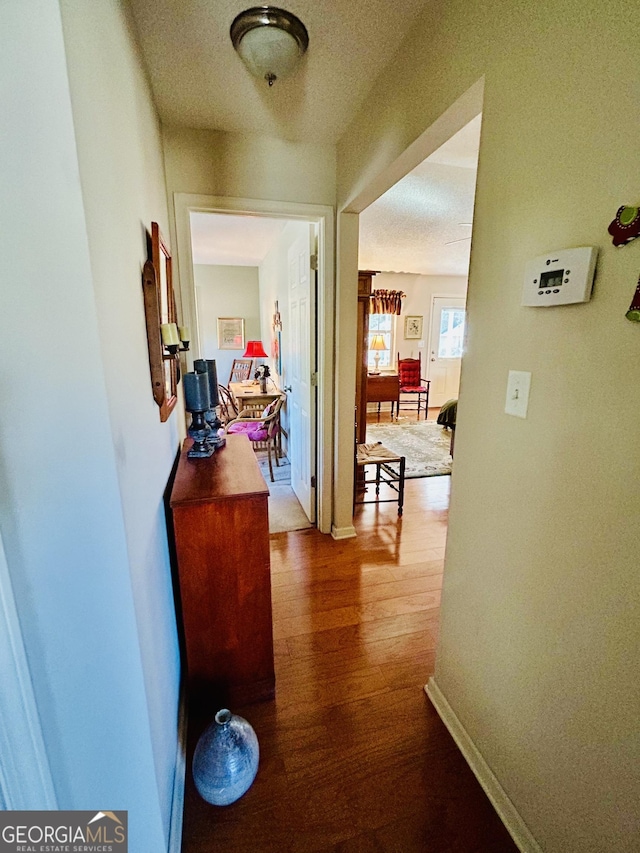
[560, 278]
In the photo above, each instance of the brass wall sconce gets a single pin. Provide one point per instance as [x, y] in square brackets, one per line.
[165, 339]
[172, 336]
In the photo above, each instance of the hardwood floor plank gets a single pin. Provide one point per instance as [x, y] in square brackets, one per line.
[353, 757]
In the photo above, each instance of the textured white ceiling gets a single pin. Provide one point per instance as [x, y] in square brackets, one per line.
[229, 240]
[199, 81]
[418, 226]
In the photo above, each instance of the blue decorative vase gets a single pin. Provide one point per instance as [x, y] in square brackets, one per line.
[225, 762]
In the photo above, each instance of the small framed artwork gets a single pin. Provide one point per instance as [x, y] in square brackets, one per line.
[230, 333]
[413, 327]
[278, 349]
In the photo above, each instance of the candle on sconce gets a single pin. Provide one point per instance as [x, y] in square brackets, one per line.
[183, 332]
[196, 392]
[169, 332]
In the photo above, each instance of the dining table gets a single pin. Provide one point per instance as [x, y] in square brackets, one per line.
[248, 395]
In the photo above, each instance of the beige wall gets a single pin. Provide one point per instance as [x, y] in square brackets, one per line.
[225, 291]
[245, 166]
[541, 609]
[248, 165]
[81, 513]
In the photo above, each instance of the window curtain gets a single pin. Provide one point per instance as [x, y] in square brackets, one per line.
[386, 302]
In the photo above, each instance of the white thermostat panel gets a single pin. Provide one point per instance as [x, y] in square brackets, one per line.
[560, 278]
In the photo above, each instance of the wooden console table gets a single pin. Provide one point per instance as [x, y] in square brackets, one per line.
[383, 388]
[221, 528]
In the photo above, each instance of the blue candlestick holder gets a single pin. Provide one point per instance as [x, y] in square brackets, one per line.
[200, 431]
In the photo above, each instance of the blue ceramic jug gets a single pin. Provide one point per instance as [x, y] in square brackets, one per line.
[225, 762]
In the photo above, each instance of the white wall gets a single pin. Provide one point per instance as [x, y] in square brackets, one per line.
[274, 286]
[420, 290]
[122, 176]
[541, 603]
[108, 716]
[224, 291]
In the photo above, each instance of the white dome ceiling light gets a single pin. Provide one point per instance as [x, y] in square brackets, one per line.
[270, 41]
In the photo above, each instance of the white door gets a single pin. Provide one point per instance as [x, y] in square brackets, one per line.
[301, 403]
[445, 348]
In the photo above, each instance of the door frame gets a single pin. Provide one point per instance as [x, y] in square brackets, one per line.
[323, 217]
[25, 776]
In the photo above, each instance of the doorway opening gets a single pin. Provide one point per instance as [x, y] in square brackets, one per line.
[418, 235]
[262, 269]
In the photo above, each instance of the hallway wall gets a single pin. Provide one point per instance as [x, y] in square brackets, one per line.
[541, 605]
[81, 491]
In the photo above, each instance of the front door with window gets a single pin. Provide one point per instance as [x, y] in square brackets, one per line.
[445, 348]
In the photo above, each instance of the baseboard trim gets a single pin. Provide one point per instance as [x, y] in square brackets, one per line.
[506, 810]
[343, 532]
[177, 802]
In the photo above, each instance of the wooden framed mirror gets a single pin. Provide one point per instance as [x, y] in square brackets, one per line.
[160, 307]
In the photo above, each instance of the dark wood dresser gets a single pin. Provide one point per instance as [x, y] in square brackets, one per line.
[383, 388]
[221, 528]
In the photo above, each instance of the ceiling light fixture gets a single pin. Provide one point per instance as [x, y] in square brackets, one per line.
[270, 41]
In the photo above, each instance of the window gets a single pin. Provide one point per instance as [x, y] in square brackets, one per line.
[385, 325]
[451, 333]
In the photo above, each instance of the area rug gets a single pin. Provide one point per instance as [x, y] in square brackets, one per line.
[424, 444]
[285, 512]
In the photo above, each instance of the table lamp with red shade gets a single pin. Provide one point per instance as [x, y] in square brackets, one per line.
[256, 350]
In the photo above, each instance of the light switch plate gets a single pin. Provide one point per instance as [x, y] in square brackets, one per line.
[518, 386]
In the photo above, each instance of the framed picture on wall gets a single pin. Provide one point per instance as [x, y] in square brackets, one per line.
[278, 352]
[230, 333]
[412, 327]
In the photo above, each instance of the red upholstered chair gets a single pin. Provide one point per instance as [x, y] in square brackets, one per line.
[411, 382]
[261, 429]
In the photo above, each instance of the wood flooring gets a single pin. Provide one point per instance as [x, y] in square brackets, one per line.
[353, 757]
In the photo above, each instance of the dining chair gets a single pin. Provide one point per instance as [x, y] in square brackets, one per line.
[412, 383]
[240, 370]
[228, 408]
[261, 429]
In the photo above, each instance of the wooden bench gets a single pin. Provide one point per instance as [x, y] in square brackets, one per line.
[389, 472]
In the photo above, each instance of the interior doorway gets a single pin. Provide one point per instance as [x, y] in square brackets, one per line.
[418, 235]
[251, 267]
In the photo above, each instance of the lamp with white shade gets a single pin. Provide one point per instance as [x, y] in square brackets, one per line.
[378, 345]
